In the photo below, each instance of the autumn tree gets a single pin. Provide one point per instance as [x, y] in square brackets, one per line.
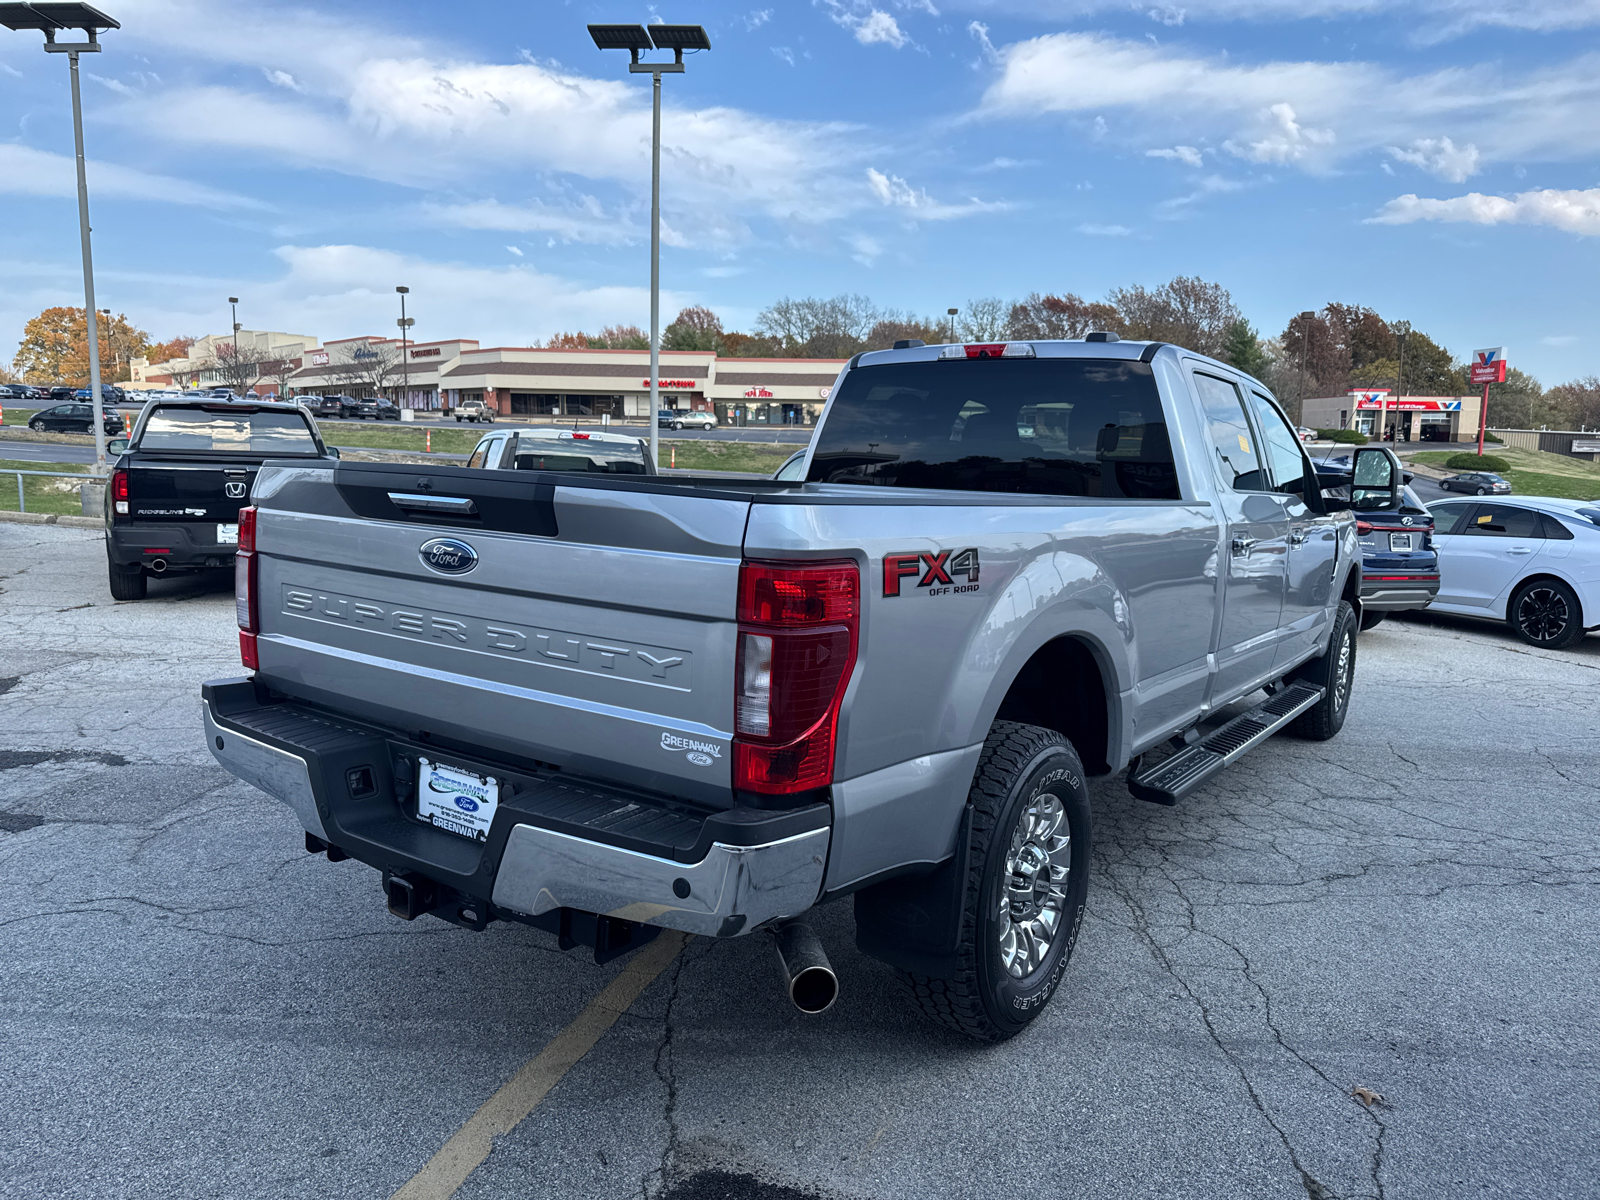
[1052, 317]
[1576, 405]
[983, 320]
[1188, 312]
[178, 347]
[813, 328]
[55, 347]
[892, 327]
[694, 328]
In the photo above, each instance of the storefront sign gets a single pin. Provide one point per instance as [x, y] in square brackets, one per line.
[675, 384]
[1488, 366]
[1375, 400]
[824, 392]
[758, 393]
[431, 352]
[319, 358]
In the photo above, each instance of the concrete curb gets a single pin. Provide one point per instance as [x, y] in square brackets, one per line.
[27, 518]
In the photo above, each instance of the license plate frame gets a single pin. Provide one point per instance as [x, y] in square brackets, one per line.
[227, 535]
[1401, 543]
[456, 800]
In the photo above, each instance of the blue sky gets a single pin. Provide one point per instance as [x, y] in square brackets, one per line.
[1434, 160]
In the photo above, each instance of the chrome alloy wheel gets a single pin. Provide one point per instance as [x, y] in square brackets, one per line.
[1343, 670]
[1542, 614]
[1034, 890]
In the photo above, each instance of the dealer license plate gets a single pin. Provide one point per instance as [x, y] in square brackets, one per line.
[456, 801]
[1400, 541]
[227, 535]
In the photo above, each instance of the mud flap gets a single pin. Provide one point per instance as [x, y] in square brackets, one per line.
[914, 923]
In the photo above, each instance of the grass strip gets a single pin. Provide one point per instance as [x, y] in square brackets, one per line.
[44, 495]
[1537, 472]
[762, 458]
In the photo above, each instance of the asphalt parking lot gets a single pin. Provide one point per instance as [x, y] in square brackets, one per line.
[193, 1006]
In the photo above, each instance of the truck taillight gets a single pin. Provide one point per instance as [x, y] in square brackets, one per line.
[963, 350]
[119, 493]
[797, 644]
[244, 587]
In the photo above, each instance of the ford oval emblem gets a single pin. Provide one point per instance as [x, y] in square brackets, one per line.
[449, 556]
[466, 804]
[698, 759]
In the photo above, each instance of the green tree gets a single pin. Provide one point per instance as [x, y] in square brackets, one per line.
[695, 328]
[1242, 348]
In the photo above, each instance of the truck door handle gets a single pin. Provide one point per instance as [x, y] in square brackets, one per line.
[1297, 537]
[1242, 546]
[458, 506]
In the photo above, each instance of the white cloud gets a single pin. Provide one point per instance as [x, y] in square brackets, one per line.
[1285, 140]
[1187, 155]
[757, 18]
[784, 53]
[1430, 20]
[894, 192]
[1094, 230]
[1312, 114]
[1572, 211]
[583, 220]
[1559, 339]
[1441, 157]
[28, 172]
[515, 250]
[8, 69]
[282, 79]
[870, 26]
[866, 249]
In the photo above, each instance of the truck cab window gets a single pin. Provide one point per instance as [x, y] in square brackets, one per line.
[1232, 442]
[1284, 456]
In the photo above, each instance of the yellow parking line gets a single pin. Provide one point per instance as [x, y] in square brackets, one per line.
[504, 1111]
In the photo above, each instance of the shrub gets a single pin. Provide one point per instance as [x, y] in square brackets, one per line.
[1472, 462]
[1352, 436]
[1489, 437]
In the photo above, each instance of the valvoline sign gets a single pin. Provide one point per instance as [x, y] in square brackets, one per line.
[1488, 366]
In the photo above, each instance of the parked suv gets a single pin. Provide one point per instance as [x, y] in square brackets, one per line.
[322, 406]
[474, 410]
[668, 418]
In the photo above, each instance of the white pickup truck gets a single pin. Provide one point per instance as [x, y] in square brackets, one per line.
[607, 704]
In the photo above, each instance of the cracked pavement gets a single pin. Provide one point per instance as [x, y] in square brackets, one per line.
[194, 1006]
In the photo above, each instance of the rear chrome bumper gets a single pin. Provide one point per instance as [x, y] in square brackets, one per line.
[732, 889]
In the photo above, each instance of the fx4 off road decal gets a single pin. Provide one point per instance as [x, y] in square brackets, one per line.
[935, 570]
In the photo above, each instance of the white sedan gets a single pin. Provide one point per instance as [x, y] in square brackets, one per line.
[1530, 561]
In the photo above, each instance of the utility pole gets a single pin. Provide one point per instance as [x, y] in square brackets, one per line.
[51, 19]
[633, 39]
[1305, 344]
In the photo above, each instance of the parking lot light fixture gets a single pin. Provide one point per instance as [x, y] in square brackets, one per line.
[952, 314]
[51, 19]
[405, 324]
[634, 39]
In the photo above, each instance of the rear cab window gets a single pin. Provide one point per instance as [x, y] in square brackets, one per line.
[228, 430]
[1045, 426]
[589, 455]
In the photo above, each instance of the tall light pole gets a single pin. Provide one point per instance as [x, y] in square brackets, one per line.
[405, 324]
[952, 314]
[1402, 329]
[51, 19]
[633, 39]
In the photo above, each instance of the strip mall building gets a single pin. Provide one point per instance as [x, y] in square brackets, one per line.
[518, 381]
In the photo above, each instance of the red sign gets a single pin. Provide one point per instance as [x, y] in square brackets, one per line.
[758, 393]
[1409, 404]
[1488, 366]
[675, 384]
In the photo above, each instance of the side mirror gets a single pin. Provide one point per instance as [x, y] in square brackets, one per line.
[117, 446]
[333, 451]
[1374, 479]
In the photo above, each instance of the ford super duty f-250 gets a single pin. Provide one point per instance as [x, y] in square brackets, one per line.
[607, 705]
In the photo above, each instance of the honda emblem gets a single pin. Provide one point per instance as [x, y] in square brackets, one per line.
[235, 491]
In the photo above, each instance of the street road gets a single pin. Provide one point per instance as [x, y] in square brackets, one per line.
[193, 1006]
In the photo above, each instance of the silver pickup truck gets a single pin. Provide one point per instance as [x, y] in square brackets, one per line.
[606, 705]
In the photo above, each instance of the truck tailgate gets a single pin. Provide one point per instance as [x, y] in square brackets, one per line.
[189, 491]
[592, 629]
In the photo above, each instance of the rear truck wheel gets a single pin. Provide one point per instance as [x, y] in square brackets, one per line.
[126, 585]
[1027, 881]
[1546, 612]
[1370, 620]
[458, 420]
[1334, 670]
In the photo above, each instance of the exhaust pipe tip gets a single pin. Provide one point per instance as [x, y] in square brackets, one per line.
[810, 978]
[158, 565]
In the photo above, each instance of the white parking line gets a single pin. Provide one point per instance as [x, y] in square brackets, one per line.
[504, 1111]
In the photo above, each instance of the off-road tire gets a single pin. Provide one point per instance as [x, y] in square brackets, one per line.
[1326, 717]
[126, 585]
[1371, 620]
[1019, 763]
[1558, 594]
